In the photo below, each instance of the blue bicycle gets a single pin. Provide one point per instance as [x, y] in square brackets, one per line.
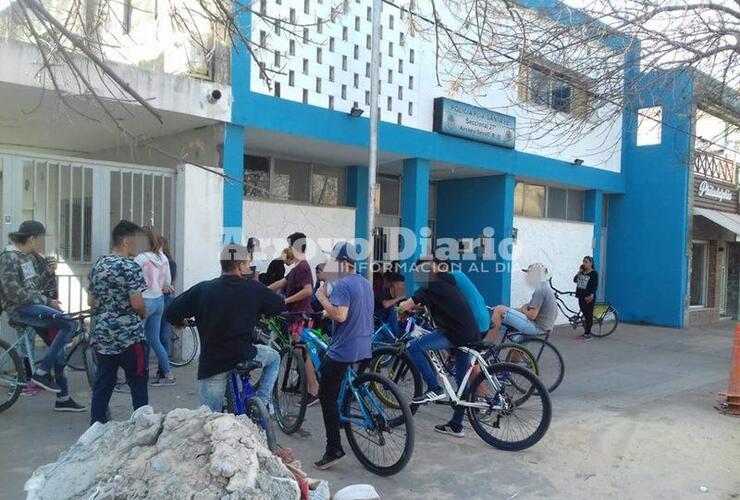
[241, 399]
[381, 436]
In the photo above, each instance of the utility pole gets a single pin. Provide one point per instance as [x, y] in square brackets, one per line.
[373, 143]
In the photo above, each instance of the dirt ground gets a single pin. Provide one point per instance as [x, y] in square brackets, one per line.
[633, 419]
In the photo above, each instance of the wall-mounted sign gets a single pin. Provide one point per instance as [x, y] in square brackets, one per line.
[709, 190]
[474, 123]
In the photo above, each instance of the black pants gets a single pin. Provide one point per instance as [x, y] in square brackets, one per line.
[587, 309]
[332, 374]
[133, 362]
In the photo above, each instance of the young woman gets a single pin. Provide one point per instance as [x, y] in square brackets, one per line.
[587, 282]
[156, 269]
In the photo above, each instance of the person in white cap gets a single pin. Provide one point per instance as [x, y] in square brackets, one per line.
[533, 318]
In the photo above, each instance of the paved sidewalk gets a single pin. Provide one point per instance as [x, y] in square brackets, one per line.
[633, 419]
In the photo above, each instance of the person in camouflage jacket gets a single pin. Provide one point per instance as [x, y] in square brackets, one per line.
[27, 298]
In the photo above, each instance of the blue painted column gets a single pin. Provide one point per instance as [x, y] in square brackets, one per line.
[233, 149]
[475, 207]
[357, 178]
[502, 221]
[593, 212]
[415, 209]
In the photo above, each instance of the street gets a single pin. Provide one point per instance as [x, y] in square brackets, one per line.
[633, 418]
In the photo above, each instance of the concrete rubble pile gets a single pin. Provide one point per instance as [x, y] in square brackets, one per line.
[185, 454]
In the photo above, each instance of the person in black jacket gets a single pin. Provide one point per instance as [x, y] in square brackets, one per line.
[226, 310]
[456, 327]
[587, 282]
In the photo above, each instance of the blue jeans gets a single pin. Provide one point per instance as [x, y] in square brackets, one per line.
[519, 321]
[29, 315]
[213, 389]
[152, 325]
[434, 341]
[390, 317]
[165, 329]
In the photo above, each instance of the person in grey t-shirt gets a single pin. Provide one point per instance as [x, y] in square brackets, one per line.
[536, 317]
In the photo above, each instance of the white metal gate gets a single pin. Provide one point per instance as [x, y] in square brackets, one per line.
[79, 203]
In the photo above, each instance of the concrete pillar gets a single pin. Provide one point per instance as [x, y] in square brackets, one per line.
[233, 149]
[415, 208]
[470, 208]
[357, 177]
[593, 212]
[233, 162]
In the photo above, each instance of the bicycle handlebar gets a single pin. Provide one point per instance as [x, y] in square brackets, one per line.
[87, 313]
[549, 281]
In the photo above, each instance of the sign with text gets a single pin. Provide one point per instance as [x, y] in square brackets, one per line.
[474, 123]
[719, 193]
[716, 195]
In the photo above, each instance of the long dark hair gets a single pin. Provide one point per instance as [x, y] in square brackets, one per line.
[165, 247]
[155, 241]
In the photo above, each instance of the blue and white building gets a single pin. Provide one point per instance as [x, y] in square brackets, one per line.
[458, 170]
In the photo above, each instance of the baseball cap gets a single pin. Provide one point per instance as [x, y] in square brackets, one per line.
[30, 228]
[538, 267]
[345, 252]
[234, 252]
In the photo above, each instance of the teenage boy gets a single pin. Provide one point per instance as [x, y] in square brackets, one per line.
[116, 284]
[29, 298]
[456, 327]
[536, 317]
[393, 292]
[226, 310]
[298, 287]
[350, 306]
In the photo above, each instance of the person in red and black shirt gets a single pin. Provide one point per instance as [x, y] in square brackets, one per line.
[298, 288]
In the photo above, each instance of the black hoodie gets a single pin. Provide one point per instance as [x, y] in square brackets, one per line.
[449, 309]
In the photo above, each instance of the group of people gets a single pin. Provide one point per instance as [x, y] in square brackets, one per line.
[134, 301]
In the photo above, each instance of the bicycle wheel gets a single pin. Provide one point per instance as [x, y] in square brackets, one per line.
[550, 365]
[518, 355]
[74, 358]
[187, 342]
[605, 320]
[400, 370]
[257, 412]
[381, 436]
[290, 394]
[498, 419]
[12, 376]
[90, 360]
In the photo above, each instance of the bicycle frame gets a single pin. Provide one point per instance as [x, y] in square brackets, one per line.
[456, 398]
[363, 396]
[241, 397]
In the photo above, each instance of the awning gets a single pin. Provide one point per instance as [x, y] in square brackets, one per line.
[727, 220]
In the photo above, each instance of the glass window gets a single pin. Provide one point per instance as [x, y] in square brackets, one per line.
[388, 194]
[257, 176]
[560, 95]
[534, 200]
[432, 200]
[649, 121]
[698, 273]
[556, 203]
[291, 180]
[519, 198]
[327, 185]
[575, 205]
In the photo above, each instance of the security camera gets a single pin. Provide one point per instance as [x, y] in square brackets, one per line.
[214, 96]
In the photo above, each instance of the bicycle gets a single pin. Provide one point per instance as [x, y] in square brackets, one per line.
[13, 376]
[606, 318]
[187, 341]
[494, 398]
[241, 399]
[371, 427]
[391, 360]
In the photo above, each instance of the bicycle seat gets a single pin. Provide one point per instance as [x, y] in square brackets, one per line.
[247, 366]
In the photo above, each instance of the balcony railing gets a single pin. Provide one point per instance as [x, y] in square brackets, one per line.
[715, 167]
